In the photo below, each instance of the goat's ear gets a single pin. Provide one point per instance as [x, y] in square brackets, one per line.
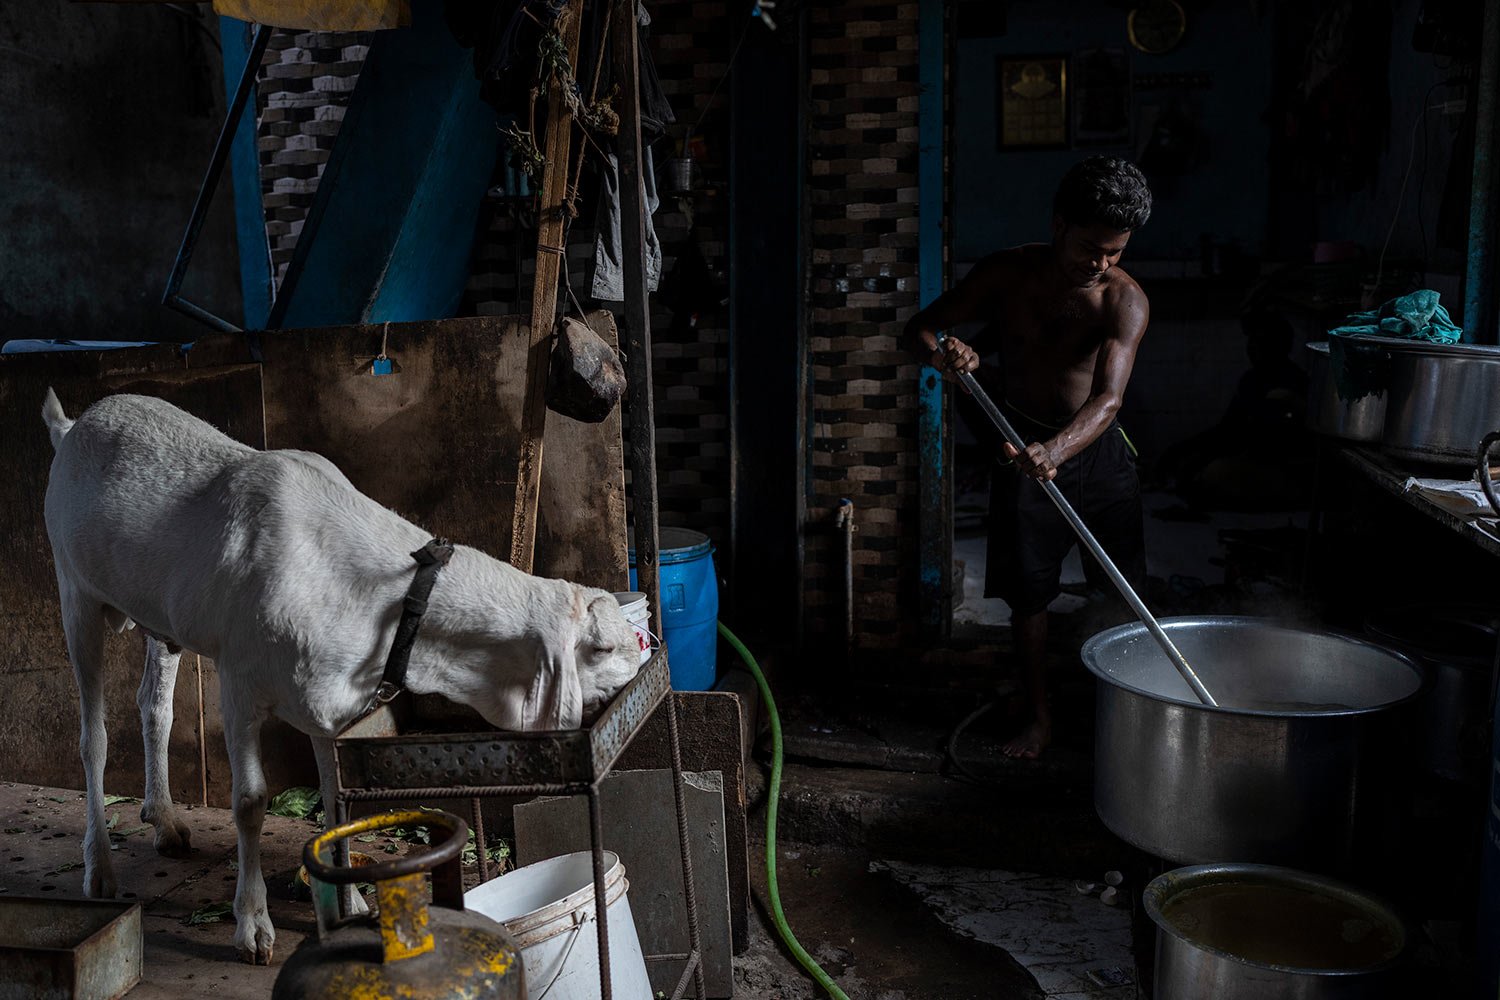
[590, 629]
[555, 700]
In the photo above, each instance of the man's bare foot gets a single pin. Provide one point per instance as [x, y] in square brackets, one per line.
[1031, 741]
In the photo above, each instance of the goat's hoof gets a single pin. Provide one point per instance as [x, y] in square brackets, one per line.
[255, 938]
[173, 840]
[99, 885]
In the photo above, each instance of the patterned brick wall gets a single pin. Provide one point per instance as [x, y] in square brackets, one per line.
[863, 188]
[303, 88]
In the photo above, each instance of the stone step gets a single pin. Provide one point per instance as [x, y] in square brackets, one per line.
[940, 820]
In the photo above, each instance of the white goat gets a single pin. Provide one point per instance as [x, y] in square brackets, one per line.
[272, 564]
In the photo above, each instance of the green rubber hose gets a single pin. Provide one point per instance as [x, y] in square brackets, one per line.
[772, 795]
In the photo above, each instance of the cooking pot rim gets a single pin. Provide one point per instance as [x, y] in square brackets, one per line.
[1427, 348]
[1170, 883]
[1481, 618]
[1089, 654]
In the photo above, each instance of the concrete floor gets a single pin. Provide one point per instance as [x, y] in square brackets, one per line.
[871, 932]
[42, 846]
[42, 850]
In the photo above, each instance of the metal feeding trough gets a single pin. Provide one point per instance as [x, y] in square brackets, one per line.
[68, 949]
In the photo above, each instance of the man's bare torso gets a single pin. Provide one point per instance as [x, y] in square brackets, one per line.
[1049, 333]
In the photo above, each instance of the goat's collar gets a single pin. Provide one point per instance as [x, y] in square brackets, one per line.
[430, 558]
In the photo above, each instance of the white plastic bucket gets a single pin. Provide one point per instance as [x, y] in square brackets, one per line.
[548, 908]
[637, 611]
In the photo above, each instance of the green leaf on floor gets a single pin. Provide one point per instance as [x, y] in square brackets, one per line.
[368, 838]
[54, 798]
[295, 803]
[210, 914]
[122, 834]
[70, 866]
[114, 800]
[498, 852]
[14, 829]
[114, 821]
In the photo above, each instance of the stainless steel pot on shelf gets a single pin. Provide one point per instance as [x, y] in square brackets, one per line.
[1360, 419]
[1444, 398]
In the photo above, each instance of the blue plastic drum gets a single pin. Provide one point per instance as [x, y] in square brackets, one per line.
[689, 606]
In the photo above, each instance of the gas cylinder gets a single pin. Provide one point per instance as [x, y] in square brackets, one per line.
[406, 948]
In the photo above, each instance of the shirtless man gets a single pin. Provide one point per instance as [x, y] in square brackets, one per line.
[1068, 322]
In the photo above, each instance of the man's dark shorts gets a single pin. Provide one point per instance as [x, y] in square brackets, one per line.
[1028, 538]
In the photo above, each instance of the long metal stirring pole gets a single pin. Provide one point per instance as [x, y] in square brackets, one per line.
[1086, 537]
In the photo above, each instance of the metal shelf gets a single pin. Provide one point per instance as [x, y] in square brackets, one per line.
[378, 758]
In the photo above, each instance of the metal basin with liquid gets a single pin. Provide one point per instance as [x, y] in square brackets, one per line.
[1301, 764]
[1260, 932]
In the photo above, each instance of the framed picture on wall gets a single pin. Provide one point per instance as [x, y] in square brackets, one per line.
[1101, 97]
[1032, 98]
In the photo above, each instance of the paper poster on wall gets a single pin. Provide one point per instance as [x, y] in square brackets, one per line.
[1101, 98]
[1032, 98]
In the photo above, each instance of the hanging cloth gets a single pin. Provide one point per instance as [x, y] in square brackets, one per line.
[609, 273]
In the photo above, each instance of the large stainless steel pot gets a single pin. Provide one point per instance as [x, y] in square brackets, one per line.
[1362, 419]
[1270, 933]
[1299, 764]
[1443, 400]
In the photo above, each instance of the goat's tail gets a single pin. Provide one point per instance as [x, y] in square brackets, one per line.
[56, 420]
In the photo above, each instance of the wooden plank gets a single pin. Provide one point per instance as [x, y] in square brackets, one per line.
[321, 15]
[637, 312]
[581, 531]
[550, 259]
[435, 441]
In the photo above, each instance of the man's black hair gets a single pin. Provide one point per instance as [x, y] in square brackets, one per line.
[1103, 191]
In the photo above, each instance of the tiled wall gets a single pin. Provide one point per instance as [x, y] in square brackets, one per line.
[304, 86]
[863, 187]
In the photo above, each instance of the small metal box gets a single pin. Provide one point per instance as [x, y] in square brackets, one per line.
[68, 949]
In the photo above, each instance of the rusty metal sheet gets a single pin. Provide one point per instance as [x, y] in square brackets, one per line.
[68, 949]
[712, 731]
[581, 531]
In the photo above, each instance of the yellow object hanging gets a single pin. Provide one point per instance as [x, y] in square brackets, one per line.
[320, 15]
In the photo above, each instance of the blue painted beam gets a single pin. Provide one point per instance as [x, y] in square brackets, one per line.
[244, 165]
[389, 235]
[935, 525]
[1479, 282]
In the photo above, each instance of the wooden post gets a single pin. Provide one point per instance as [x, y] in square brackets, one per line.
[551, 257]
[637, 318]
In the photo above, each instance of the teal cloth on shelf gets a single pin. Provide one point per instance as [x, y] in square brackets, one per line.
[1363, 369]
